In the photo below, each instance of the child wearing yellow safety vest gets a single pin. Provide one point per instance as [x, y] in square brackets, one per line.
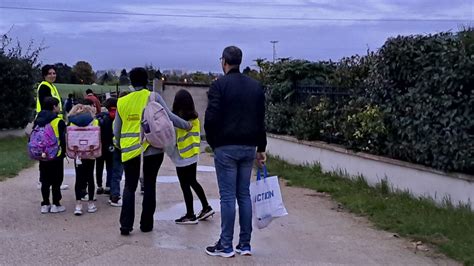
[185, 156]
[52, 172]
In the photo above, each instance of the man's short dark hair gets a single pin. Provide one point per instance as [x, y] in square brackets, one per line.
[49, 103]
[45, 69]
[89, 91]
[138, 77]
[232, 55]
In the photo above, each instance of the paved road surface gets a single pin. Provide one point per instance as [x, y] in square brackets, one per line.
[313, 233]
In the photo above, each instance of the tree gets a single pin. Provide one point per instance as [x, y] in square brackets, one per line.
[18, 72]
[104, 79]
[124, 80]
[201, 78]
[63, 73]
[251, 73]
[152, 72]
[83, 73]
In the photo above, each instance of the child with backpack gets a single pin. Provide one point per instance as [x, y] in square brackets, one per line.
[185, 155]
[106, 136]
[47, 144]
[81, 118]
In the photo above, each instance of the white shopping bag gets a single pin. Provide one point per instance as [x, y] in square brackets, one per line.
[267, 202]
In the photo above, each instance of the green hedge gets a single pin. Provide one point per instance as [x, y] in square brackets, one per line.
[411, 100]
[425, 87]
[17, 77]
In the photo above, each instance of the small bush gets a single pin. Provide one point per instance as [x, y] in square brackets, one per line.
[365, 130]
[18, 74]
[278, 118]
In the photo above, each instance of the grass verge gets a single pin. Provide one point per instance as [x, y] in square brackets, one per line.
[448, 228]
[13, 156]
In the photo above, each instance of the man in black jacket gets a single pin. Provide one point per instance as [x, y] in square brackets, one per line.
[235, 130]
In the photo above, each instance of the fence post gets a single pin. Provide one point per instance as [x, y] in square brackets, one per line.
[158, 85]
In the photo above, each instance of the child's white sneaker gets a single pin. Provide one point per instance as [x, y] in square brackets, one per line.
[45, 208]
[78, 209]
[91, 208]
[56, 208]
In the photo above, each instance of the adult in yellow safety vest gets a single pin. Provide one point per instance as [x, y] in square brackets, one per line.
[127, 137]
[47, 89]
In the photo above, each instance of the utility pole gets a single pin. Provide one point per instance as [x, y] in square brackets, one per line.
[274, 50]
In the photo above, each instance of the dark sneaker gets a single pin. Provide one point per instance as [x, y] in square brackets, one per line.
[218, 250]
[115, 201]
[187, 220]
[146, 229]
[125, 232]
[100, 191]
[243, 250]
[205, 213]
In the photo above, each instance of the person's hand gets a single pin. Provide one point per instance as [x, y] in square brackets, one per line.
[190, 126]
[261, 159]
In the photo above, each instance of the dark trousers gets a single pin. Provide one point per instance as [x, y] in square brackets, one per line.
[84, 178]
[99, 168]
[51, 175]
[187, 180]
[151, 165]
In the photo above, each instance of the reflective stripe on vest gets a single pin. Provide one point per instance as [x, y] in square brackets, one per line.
[55, 125]
[54, 93]
[188, 142]
[130, 109]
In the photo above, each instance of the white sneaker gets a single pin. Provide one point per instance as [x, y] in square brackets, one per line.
[56, 209]
[45, 208]
[64, 187]
[78, 209]
[91, 208]
[85, 198]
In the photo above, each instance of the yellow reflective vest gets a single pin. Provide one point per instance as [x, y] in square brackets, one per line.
[130, 109]
[54, 93]
[188, 142]
[55, 125]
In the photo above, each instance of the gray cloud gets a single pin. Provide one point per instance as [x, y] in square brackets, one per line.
[194, 43]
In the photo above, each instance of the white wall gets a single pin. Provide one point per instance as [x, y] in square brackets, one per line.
[419, 180]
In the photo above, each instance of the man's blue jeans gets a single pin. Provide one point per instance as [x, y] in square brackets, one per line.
[233, 168]
[117, 172]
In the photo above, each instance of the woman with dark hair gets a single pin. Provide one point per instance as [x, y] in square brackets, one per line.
[47, 89]
[185, 156]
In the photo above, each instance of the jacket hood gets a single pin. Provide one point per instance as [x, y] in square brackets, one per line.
[81, 120]
[45, 117]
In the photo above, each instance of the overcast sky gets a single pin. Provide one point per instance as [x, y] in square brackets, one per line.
[190, 35]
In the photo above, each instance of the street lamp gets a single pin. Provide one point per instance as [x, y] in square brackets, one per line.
[274, 50]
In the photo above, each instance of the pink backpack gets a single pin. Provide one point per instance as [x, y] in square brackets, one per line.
[156, 127]
[83, 142]
[43, 144]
